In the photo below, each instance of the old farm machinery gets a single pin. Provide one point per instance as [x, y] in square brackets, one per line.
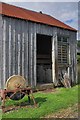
[16, 89]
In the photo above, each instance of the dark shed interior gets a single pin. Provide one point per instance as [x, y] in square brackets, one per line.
[44, 59]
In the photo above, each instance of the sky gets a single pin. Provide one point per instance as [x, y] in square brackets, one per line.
[66, 12]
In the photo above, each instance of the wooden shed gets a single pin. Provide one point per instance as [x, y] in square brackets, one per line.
[36, 46]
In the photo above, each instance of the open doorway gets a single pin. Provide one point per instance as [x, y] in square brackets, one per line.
[44, 59]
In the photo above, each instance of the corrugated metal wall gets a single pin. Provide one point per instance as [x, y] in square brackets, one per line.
[18, 50]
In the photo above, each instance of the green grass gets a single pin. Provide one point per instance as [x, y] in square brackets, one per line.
[78, 58]
[47, 103]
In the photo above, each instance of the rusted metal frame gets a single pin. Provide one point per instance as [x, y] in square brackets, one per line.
[3, 94]
[31, 92]
[16, 90]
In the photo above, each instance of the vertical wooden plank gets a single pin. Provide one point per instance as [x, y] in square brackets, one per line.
[76, 70]
[29, 40]
[7, 48]
[35, 60]
[23, 54]
[18, 54]
[27, 55]
[72, 54]
[54, 59]
[10, 48]
[72, 49]
[32, 44]
[16, 46]
[74, 58]
[14, 49]
[19, 47]
[69, 68]
[31, 58]
[11, 62]
[1, 52]
[26, 50]
[4, 51]
[1, 56]
[20, 22]
[30, 53]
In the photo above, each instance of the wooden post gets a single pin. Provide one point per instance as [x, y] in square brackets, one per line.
[35, 59]
[53, 59]
[54, 56]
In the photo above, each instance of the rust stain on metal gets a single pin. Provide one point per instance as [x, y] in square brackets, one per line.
[18, 12]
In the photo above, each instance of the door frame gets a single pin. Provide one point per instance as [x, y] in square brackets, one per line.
[54, 59]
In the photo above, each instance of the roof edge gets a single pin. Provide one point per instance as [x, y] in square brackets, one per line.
[67, 26]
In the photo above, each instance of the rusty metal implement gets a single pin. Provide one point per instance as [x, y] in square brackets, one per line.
[16, 89]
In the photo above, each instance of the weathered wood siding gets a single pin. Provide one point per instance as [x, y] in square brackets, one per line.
[18, 40]
[73, 57]
[1, 54]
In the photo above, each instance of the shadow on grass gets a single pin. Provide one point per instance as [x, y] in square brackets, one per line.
[40, 100]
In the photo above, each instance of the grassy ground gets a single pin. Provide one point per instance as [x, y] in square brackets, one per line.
[70, 112]
[48, 103]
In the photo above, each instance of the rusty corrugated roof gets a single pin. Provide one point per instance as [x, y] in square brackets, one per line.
[17, 12]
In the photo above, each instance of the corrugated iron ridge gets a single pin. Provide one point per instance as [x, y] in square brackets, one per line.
[26, 14]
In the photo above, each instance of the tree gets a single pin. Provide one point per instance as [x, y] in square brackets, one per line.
[78, 43]
[78, 53]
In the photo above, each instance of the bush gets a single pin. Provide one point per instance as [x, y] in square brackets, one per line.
[78, 58]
